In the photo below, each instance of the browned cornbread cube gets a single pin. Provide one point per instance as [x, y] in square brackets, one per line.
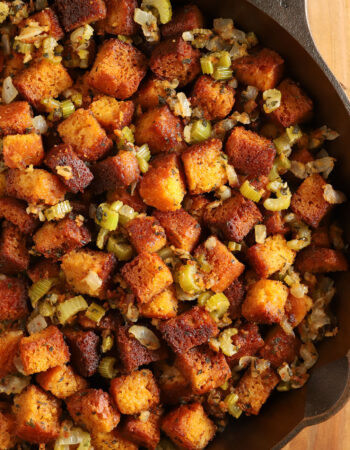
[84, 347]
[143, 432]
[174, 58]
[172, 383]
[234, 218]
[296, 107]
[45, 18]
[43, 269]
[15, 118]
[37, 415]
[112, 440]
[111, 114]
[61, 381]
[320, 237]
[8, 350]
[321, 260]
[118, 69]
[14, 211]
[21, 150]
[190, 329]
[134, 200]
[271, 256]
[161, 306]
[42, 79]
[262, 69]
[205, 368]
[160, 129]
[14, 256]
[120, 170]
[188, 17]
[250, 153]
[235, 294]
[214, 98]
[247, 342]
[88, 271]
[37, 186]
[79, 12]
[135, 392]
[225, 267]
[253, 391]
[264, 302]
[162, 186]
[93, 409]
[43, 350]
[147, 276]
[119, 18]
[274, 222]
[279, 347]
[182, 230]
[308, 201]
[8, 437]
[152, 92]
[296, 309]
[13, 298]
[54, 239]
[83, 132]
[146, 234]
[189, 427]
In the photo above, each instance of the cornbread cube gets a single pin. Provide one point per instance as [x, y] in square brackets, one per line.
[37, 415]
[182, 230]
[21, 150]
[61, 381]
[146, 234]
[8, 350]
[119, 18]
[152, 92]
[172, 383]
[196, 205]
[234, 218]
[162, 186]
[134, 200]
[274, 222]
[296, 107]
[94, 410]
[14, 211]
[85, 350]
[250, 153]
[271, 256]
[14, 256]
[320, 237]
[42, 79]
[186, 18]
[15, 118]
[280, 347]
[247, 342]
[262, 69]
[111, 114]
[37, 186]
[43, 350]
[205, 166]
[308, 202]
[13, 298]
[190, 329]
[135, 392]
[143, 432]
[13, 64]
[174, 58]
[296, 309]
[118, 69]
[80, 12]
[83, 132]
[225, 267]
[88, 271]
[321, 260]
[70, 169]
[205, 368]
[43, 269]
[253, 391]
[189, 427]
[264, 302]
[235, 294]
[161, 306]
[7, 431]
[112, 440]
[45, 18]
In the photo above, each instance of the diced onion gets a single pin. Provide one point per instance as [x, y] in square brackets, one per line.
[272, 99]
[286, 327]
[309, 354]
[40, 124]
[231, 403]
[9, 92]
[4, 11]
[148, 24]
[234, 246]
[145, 336]
[126, 213]
[13, 384]
[332, 196]
[298, 290]
[93, 281]
[37, 324]
[231, 175]
[260, 233]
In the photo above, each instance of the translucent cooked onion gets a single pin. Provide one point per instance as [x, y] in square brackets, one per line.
[36, 325]
[250, 93]
[285, 372]
[332, 196]
[298, 290]
[231, 175]
[13, 384]
[145, 336]
[40, 124]
[260, 233]
[286, 327]
[309, 354]
[298, 169]
[93, 280]
[9, 92]
[258, 366]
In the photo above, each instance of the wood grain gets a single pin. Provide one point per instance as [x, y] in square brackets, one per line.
[330, 26]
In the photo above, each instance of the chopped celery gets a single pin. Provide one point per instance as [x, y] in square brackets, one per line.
[68, 108]
[101, 238]
[272, 99]
[186, 278]
[200, 131]
[121, 250]
[203, 298]
[39, 289]
[294, 133]
[234, 246]
[95, 312]
[217, 305]
[144, 152]
[222, 73]
[126, 213]
[106, 217]
[249, 191]
[225, 340]
[107, 343]
[162, 6]
[107, 367]
[231, 403]
[277, 204]
[207, 65]
[143, 164]
[70, 308]
[225, 60]
[58, 211]
[126, 135]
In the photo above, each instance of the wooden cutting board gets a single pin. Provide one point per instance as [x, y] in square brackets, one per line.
[330, 26]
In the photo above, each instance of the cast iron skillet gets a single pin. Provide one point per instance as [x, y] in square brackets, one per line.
[283, 26]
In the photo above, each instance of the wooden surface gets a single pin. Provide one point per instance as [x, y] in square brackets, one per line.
[330, 25]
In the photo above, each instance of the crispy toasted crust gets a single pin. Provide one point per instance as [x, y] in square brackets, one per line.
[321, 260]
[119, 18]
[161, 306]
[146, 234]
[80, 12]
[235, 294]
[112, 440]
[188, 17]
[14, 256]
[247, 341]
[172, 383]
[297, 308]
[152, 92]
[134, 200]
[13, 298]
[43, 269]
[45, 18]
[21, 150]
[85, 351]
[9, 342]
[14, 211]
[144, 433]
[280, 347]
[8, 437]
[274, 223]
[111, 114]
[61, 381]
[15, 118]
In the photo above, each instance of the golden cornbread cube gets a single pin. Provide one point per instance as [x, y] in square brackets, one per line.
[142, 431]
[163, 186]
[83, 132]
[79, 12]
[8, 437]
[9, 342]
[45, 18]
[271, 256]
[224, 266]
[13, 298]
[93, 409]
[146, 234]
[253, 391]
[265, 301]
[162, 306]
[41, 80]
[147, 275]
[135, 392]
[172, 383]
[160, 129]
[112, 440]
[61, 381]
[88, 271]
[296, 308]
[14, 211]
[112, 114]
[119, 18]
[205, 166]
[118, 69]
[185, 17]
[15, 118]
[42, 350]
[321, 260]
[14, 258]
[21, 150]
[37, 415]
[189, 427]
[13, 64]
[152, 92]
[36, 186]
